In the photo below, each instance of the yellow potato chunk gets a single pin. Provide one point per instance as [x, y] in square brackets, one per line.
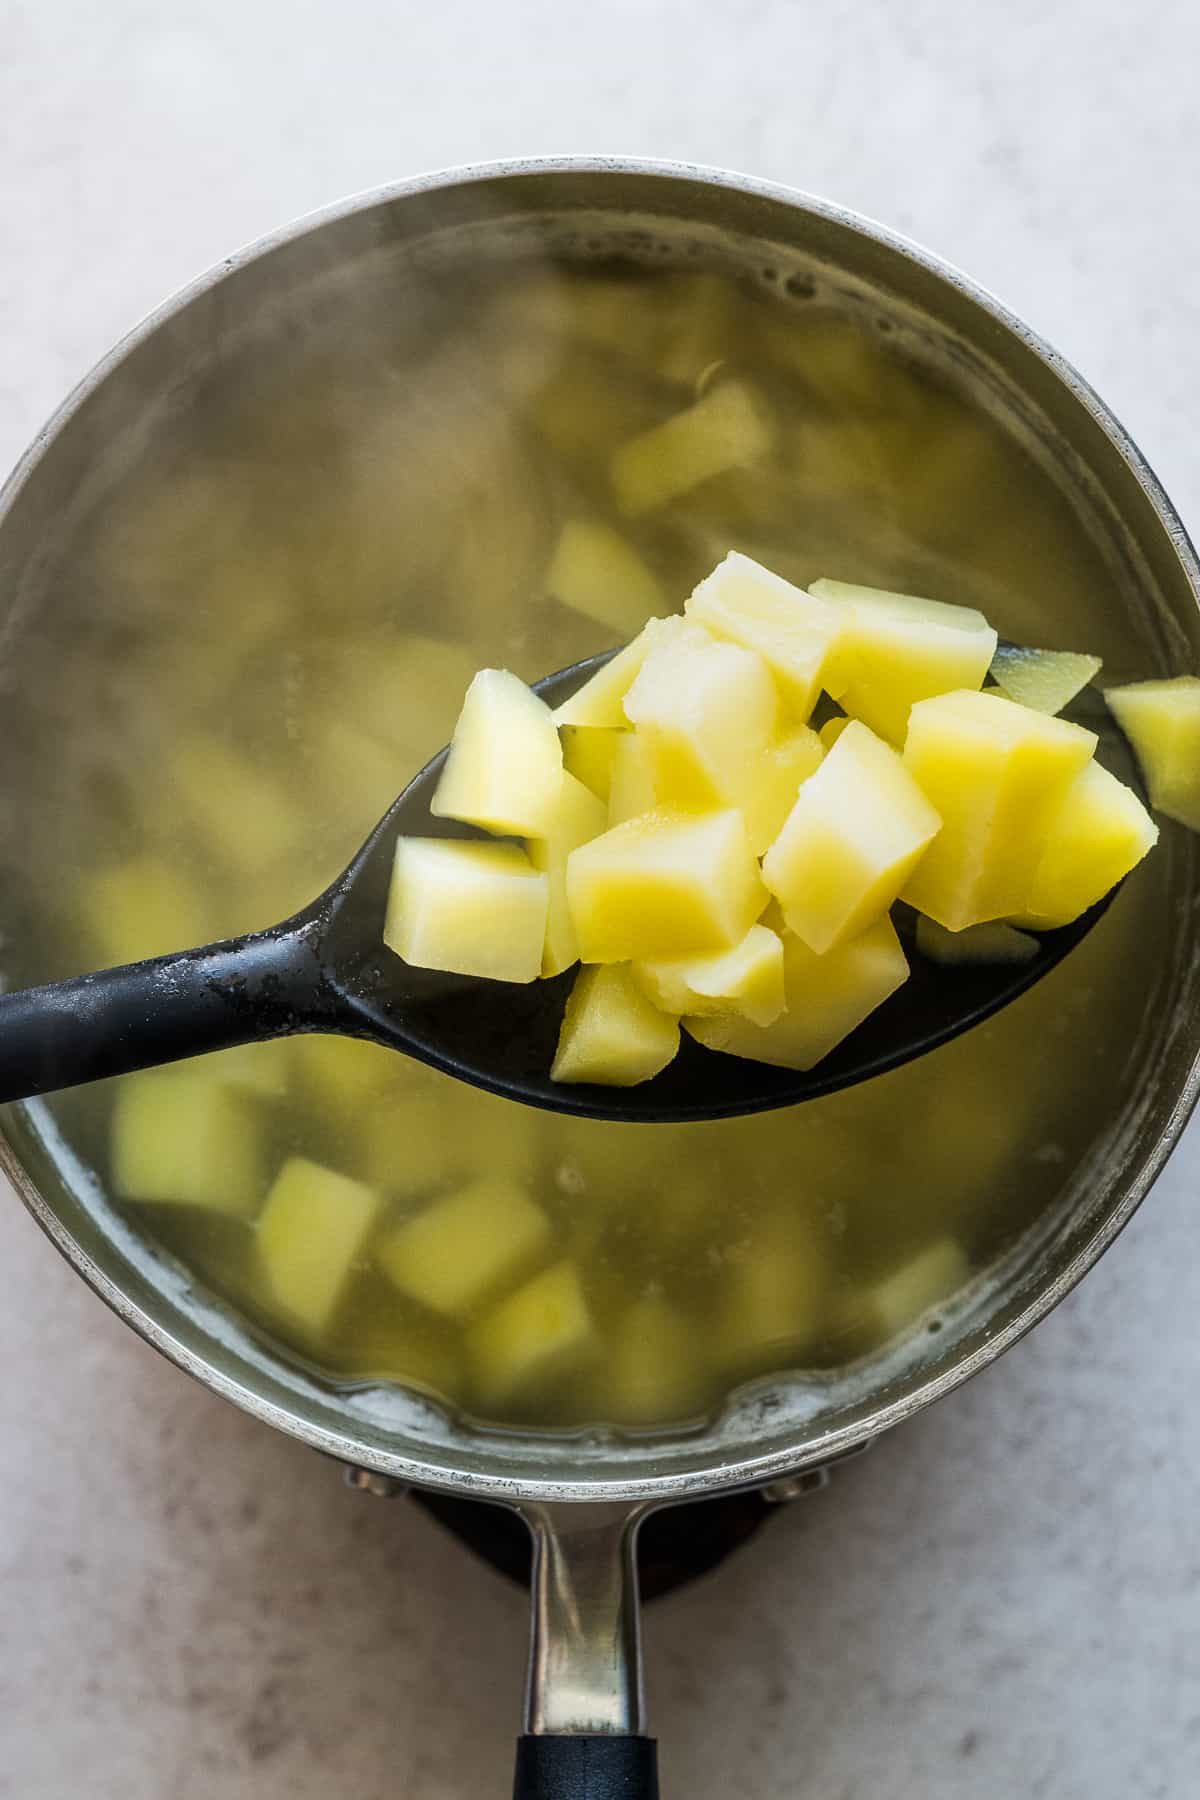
[774, 784]
[706, 712]
[797, 635]
[579, 817]
[600, 702]
[832, 730]
[857, 831]
[747, 980]
[827, 996]
[654, 1365]
[466, 1246]
[631, 789]
[997, 773]
[341, 1078]
[990, 943]
[727, 428]
[468, 908]
[541, 1330]
[504, 769]
[311, 1234]
[182, 1138]
[1047, 680]
[611, 1033]
[771, 1310]
[139, 908]
[664, 885]
[899, 649]
[600, 574]
[1161, 719]
[926, 1280]
[1099, 833]
[588, 752]
[267, 822]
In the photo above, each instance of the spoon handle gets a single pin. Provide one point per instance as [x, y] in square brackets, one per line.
[147, 1013]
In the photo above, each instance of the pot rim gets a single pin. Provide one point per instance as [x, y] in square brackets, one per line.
[748, 1470]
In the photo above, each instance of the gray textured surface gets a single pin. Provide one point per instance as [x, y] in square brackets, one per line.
[1004, 1600]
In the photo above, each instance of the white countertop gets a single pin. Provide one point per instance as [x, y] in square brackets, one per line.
[1004, 1599]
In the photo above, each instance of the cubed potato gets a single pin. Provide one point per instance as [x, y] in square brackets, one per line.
[504, 770]
[405, 692]
[360, 777]
[774, 1300]
[631, 788]
[797, 635]
[588, 752]
[1161, 719]
[311, 1235]
[466, 1246]
[727, 428]
[578, 818]
[597, 572]
[775, 782]
[181, 1138]
[339, 1079]
[438, 1132]
[997, 773]
[541, 1330]
[747, 980]
[827, 996]
[699, 327]
[928, 1279]
[899, 649]
[468, 908]
[1099, 832]
[858, 829]
[414, 1352]
[664, 885]
[1047, 680]
[258, 1069]
[706, 712]
[240, 813]
[991, 943]
[145, 906]
[611, 1033]
[600, 702]
[832, 730]
[656, 1365]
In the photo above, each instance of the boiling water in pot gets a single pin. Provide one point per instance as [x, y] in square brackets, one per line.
[269, 634]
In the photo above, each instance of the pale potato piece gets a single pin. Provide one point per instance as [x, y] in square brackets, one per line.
[655, 1365]
[578, 817]
[705, 712]
[1161, 719]
[542, 1329]
[631, 788]
[466, 1246]
[312, 1231]
[926, 1280]
[340, 1077]
[504, 770]
[772, 1307]
[797, 635]
[857, 831]
[600, 701]
[600, 574]
[899, 649]
[775, 782]
[1047, 680]
[990, 943]
[240, 813]
[437, 1131]
[181, 1137]
[467, 908]
[832, 730]
[827, 996]
[699, 323]
[728, 427]
[588, 752]
[664, 885]
[747, 980]
[1099, 833]
[611, 1033]
[997, 773]
[415, 1353]
[144, 906]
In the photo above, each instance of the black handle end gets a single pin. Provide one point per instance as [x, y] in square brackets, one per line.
[598, 1766]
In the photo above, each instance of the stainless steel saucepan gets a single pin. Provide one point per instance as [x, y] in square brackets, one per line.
[583, 1497]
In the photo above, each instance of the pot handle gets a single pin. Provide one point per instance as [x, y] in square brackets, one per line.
[583, 1706]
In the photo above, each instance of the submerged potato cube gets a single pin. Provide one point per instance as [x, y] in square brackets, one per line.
[928, 1279]
[898, 649]
[467, 908]
[832, 730]
[341, 1078]
[727, 428]
[655, 1365]
[1161, 719]
[775, 782]
[142, 907]
[600, 702]
[1099, 832]
[664, 885]
[465, 1246]
[597, 572]
[774, 1297]
[541, 1330]
[181, 1137]
[588, 752]
[504, 769]
[631, 788]
[1047, 680]
[994, 942]
[242, 814]
[578, 817]
[997, 773]
[705, 712]
[827, 996]
[747, 980]
[858, 829]
[797, 635]
[611, 1033]
[312, 1230]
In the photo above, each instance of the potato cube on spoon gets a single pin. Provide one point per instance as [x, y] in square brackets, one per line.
[504, 768]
